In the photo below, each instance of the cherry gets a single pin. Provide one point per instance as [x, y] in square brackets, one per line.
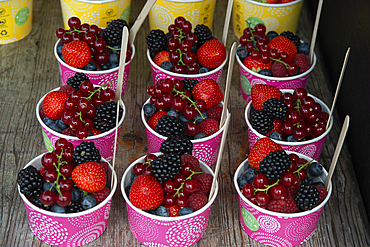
[284, 56]
[148, 170]
[299, 93]
[308, 100]
[84, 27]
[294, 158]
[287, 96]
[66, 184]
[48, 160]
[190, 112]
[250, 46]
[317, 107]
[265, 57]
[171, 28]
[243, 40]
[138, 169]
[59, 32]
[287, 128]
[180, 69]
[150, 157]
[179, 178]
[302, 174]
[274, 53]
[99, 44]
[83, 105]
[48, 198]
[66, 169]
[248, 190]
[319, 129]
[66, 118]
[288, 179]
[169, 200]
[260, 181]
[82, 133]
[91, 112]
[299, 133]
[191, 185]
[262, 198]
[185, 46]
[89, 38]
[102, 57]
[192, 69]
[187, 169]
[94, 29]
[169, 186]
[108, 94]
[179, 85]
[192, 38]
[181, 201]
[76, 95]
[305, 110]
[255, 54]
[66, 38]
[192, 128]
[293, 69]
[178, 21]
[64, 198]
[173, 44]
[74, 22]
[189, 58]
[201, 104]
[278, 191]
[186, 27]
[167, 99]
[89, 123]
[86, 88]
[50, 176]
[260, 29]
[247, 31]
[175, 57]
[167, 86]
[293, 117]
[68, 154]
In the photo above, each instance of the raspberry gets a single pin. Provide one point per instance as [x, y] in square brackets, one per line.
[101, 195]
[187, 158]
[105, 166]
[284, 205]
[205, 180]
[215, 113]
[302, 61]
[197, 200]
[279, 70]
[323, 193]
[209, 126]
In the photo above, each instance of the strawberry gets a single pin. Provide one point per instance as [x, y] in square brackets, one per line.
[54, 104]
[279, 70]
[89, 176]
[209, 91]
[187, 158]
[205, 180]
[76, 53]
[173, 210]
[323, 193]
[302, 61]
[283, 205]
[161, 57]
[153, 120]
[67, 88]
[261, 92]
[211, 54]
[262, 148]
[146, 192]
[281, 43]
[209, 126]
[215, 113]
[101, 195]
[277, 127]
[197, 200]
[256, 65]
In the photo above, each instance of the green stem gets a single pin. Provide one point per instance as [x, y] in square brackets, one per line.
[182, 184]
[98, 90]
[303, 166]
[192, 102]
[267, 187]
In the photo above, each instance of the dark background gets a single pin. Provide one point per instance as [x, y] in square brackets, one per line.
[346, 24]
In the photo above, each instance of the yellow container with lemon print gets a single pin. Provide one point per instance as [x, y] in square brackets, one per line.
[95, 12]
[276, 17]
[15, 20]
[164, 13]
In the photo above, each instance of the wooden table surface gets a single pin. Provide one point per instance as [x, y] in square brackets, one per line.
[28, 70]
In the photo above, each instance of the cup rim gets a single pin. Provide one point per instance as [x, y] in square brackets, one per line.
[284, 215]
[86, 71]
[74, 138]
[69, 215]
[271, 78]
[96, 2]
[161, 218]
[274, 4]
[285, 143]
[193, 76]
[165, 138]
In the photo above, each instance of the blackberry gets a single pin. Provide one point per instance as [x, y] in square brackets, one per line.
[86, 152]
[189, 84]
[203, 34]
[169, 126]
[74, 207]
[105, 117]
[275, 108]
[307, 197]
[156, 41]
[113, 32]
[75, 81]
[30, 181]
[36, 201]
[177, 144]
[166, 167]
[274, 164]
[294, 38]
[261, 122]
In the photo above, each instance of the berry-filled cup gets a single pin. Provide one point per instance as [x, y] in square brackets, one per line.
[59, 228]
[182, 53]
[81, 126]
[279, 214]
[276, 15]
[301, 127]
[166, 225]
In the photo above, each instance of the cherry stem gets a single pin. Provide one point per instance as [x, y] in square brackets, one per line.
[76, 30]
[79, 114]
[98, 89]
[147, 163]
[304, 165]
[182, 184]
[267, 187]
[181, 54]
[280, 61]
[115, 49]
[181, 36]
[56, 182]
[192, 102]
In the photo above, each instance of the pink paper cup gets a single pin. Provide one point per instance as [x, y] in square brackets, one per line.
[248, 78]
[158, 73]
[72, 229]
[205, 149]
[278, 229]
[96, 77]
[154, 231]
[104, 141]
[311, 148]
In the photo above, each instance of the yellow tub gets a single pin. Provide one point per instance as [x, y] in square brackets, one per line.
[15, 20]
[276, 17]
[95, 12]
[164, 13]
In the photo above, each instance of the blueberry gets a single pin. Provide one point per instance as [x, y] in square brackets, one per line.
[113, 65]
[62, 58]
[132, 178]
[183, 119]
[90, 66]
[315, 169]
[265, 72]
[166, 65]
[152, 54]
[318, 183]
[54, 127]
[98, 69]
[304, 48]
[242, 181]
[162, 211]
[90, 133]
[149, 110]
[195, 48]
[309, 176]
[200, 135]
[249, 174]
[61, 124]
[58, 209]
[76, 194]
[151, 212]
[113, 58]
[88, 202]
[173, 113]
[168, 35]
[105, 66]
[203, 70]
[47, 121]
[199, 119]
[185, 211]
[271, 35]
[48, 185]
[291, 139]
[275, 136]
[116, 49]
[127, 190]
[59, 49]
[242, 53]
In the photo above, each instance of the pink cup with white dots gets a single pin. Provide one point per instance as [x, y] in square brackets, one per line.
[154, 231]
[278, 229]
[72, 229]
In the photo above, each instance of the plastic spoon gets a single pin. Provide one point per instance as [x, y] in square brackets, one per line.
[337, 152]
[140, 19]
[314, 33]
[227, 21]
